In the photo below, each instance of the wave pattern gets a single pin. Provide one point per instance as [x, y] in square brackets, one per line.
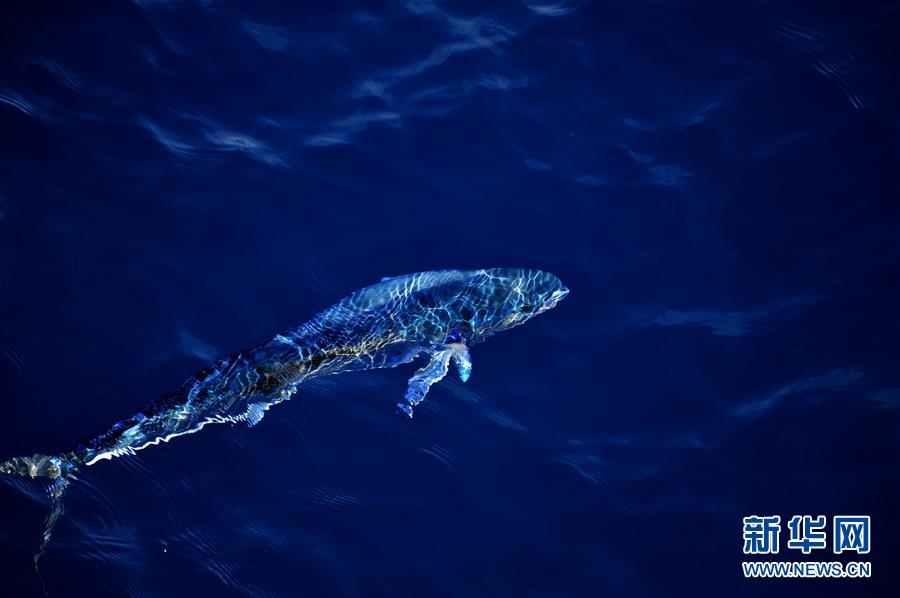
[712, 179]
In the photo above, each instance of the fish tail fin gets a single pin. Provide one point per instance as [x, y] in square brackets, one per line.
[59, 469]
[55, 492]
[41, 466]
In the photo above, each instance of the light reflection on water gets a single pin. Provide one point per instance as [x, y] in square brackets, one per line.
[708, 179]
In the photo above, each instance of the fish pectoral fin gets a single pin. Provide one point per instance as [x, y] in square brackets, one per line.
[255, 412]
[459, 353]
[422, 380]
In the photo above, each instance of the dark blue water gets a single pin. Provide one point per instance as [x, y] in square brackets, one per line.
[716, 182]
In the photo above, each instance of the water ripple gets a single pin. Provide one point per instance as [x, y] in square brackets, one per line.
[25, 106]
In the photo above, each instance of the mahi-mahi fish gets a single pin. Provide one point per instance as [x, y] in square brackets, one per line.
[438, 314]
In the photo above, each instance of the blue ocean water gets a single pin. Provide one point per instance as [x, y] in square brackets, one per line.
[716, 182]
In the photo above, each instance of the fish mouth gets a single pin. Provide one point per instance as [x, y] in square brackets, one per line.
[559, 294]
[555, 297]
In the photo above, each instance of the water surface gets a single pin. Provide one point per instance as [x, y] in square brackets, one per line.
[716, 182]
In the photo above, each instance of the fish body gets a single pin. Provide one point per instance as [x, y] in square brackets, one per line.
[439, 314]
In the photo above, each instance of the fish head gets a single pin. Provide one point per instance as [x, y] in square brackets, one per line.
[507, 297]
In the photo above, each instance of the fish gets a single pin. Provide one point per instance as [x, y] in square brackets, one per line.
[437, 314]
